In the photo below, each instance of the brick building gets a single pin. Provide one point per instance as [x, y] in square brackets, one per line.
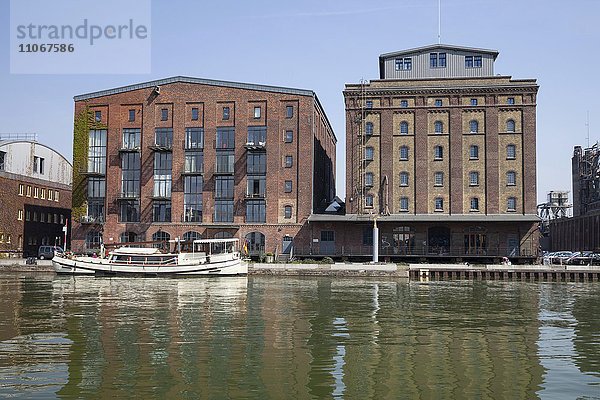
[443, 153]
[35, 200]
[189, 158]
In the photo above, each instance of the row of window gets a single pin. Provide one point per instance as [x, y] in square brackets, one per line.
[439, 102]
[438, 178]
[36, 216]
[38, 193]
[511, 152]
[5, 238]
[438, 153]
[194, 111]
[511, 203]
[437, 60]
[438, 127]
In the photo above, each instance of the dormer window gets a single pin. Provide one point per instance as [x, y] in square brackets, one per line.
[437, 60]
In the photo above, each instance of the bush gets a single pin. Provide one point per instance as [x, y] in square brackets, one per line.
[327, 260]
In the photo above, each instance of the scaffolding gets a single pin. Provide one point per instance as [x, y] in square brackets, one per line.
[556, 206]
[358, 124]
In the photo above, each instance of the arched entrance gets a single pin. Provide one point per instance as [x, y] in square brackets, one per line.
[162, 237]
[256, 243]
[188, 239]
[438, 239]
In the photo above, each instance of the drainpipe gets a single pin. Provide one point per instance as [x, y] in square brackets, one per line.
[375, 241]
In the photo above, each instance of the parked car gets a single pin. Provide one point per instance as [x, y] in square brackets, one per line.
[48, 252]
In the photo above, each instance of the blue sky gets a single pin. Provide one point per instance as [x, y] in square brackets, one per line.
[321, 45]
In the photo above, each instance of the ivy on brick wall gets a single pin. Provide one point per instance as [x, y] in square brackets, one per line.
[84, 121]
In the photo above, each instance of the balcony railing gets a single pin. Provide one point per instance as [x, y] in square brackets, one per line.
[254, 196]
[255, 145]
[91, 219]
[130, 149]
[191, 217]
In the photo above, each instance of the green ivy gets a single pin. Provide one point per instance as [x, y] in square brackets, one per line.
[84, 121]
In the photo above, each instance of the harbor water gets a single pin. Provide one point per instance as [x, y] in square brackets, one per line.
[263, 337]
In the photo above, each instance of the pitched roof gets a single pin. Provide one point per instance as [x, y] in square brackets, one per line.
[424, 49]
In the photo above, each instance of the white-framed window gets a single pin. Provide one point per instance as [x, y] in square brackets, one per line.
[404, 128]
[369, 179]
[511, 204]
[404, 153]
[510, 125]
[473, 178]
[403, 178]
[511, 152]
[20, 215]
[56, 195]
[36, 192]
[403, 204]
[438, 178]
[473, 126]
[257, 112]
[21, 189]
[439, 204]
[473, 152]
[403, 64]
[43, 193]
[511, 178]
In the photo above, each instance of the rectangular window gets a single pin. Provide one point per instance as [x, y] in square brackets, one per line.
[257, 135]
[163, 137]
[51, 194]
[369, 153]
[97, 151]
[130, 175]
[288, 137]
[225, 138]
[225, 113]
[164, 114]
[438, 153]
[36, 192]
[287, 212]
[473, 102]
[194, 162]
[56, 195]
[511, 152]
[96, 188]
[256, 186]
[21, 189]
[28, 191]
[468, 61]
[129, 211]
[438, 102]
[256, 163]
[289, 111]
[289, 161]
[35, 163]
[369, 179]
[438, 179]
[474, 152]
[2, 160]
[131, 115]
[41, 170]
[510, 100]
[474, 178]
[27, 215]
[404, 204]
[477, 62]
[369, 200]
[256, 211]
[287, 186]
[43, 193]
[256, 112]
[474, 204]
[192, 198]
[439, 204]
[225, 162]
[433, 60]
[403, 178]
[437, 60]
[224, 187]
[195, 114]
[442, 60]
[403, 103]
[511, 204]
[98, 116]
[369, 104]
[511, 178]
[95, 209]
[131, 138]
[161, 211]
[194, 138]
[223, 211]
[404, 153]
[20, 215]
[163, 165]
[403, 64]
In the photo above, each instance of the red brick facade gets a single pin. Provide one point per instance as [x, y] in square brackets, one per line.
[312, 149]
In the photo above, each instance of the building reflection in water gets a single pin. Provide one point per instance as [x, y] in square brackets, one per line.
[263, 337]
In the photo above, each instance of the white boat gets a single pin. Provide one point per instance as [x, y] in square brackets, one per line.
[207, 257]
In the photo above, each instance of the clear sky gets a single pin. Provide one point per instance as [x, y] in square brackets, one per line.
[321, 45]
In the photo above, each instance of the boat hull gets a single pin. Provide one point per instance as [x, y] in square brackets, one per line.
[97, 266]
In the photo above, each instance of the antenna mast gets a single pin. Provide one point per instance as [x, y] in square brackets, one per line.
[587, 124]
[439, 21]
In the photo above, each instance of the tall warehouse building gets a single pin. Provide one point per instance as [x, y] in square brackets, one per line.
[189, 158]
[442, 152]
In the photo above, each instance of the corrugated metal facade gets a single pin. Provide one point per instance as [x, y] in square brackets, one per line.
[455, 66]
